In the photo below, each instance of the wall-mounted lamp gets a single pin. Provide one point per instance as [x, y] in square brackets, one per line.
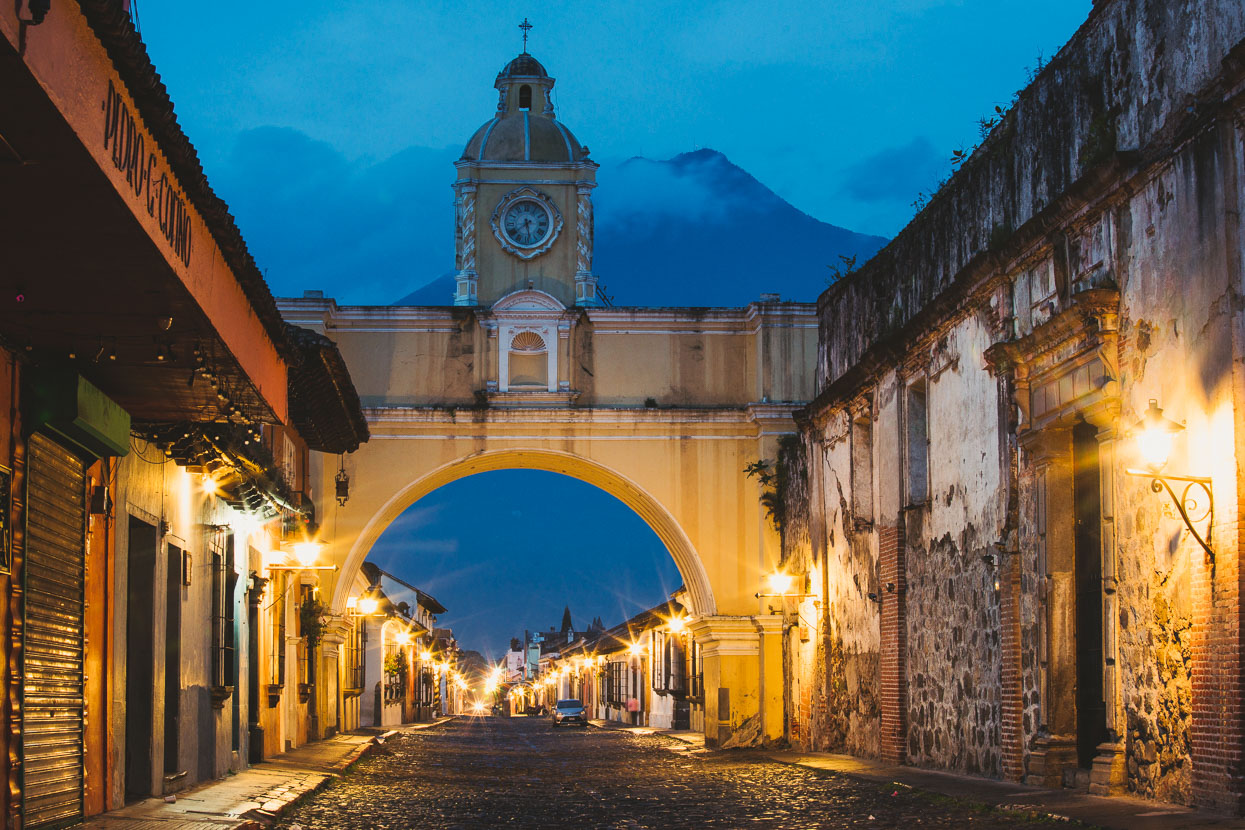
[364, 606]
[1154, 434]
[781, 584]
[305, 555]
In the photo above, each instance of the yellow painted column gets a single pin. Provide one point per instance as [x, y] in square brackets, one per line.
[769, 627]
[742, 664]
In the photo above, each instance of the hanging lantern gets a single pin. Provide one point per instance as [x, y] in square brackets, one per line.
[343, 484]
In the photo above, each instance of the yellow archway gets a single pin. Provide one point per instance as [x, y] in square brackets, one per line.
[686, 558]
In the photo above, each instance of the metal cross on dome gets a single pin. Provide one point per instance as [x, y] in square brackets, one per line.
[526, 27]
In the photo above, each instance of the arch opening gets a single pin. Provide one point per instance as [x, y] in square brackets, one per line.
[686, 559]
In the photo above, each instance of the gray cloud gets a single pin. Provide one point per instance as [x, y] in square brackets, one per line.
[896, 173]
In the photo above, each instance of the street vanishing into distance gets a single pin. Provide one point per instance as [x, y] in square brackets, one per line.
[520, 772]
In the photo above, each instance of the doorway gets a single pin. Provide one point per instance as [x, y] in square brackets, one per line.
[139, 662]
[1091, 708]
[173, 664]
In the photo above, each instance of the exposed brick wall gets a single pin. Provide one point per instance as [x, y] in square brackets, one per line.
[894, 645]
[1218, 782]
[1013, 704]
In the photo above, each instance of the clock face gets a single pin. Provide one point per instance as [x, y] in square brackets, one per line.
[526, 223]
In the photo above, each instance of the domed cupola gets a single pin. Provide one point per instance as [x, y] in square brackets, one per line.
[523, 208]
[524, 128]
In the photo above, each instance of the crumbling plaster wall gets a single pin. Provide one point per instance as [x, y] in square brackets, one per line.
[852, 637]
[952, 606]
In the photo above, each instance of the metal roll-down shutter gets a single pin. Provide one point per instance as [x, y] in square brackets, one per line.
[53, 710]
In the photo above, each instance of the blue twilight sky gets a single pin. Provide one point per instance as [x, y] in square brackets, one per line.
[330, 129]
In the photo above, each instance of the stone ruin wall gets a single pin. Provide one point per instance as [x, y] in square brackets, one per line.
[1129, 81]
[954, 668]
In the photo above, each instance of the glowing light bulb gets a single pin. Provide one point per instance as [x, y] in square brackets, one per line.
[780, 583]
[368, 605]
[1154, 436]
[306, 553]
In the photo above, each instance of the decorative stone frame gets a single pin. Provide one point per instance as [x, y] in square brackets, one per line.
[1065, 371]
[527, 194]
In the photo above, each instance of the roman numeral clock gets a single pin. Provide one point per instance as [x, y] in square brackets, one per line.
[526, 222]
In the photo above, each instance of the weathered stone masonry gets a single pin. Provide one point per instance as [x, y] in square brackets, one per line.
[997, 594]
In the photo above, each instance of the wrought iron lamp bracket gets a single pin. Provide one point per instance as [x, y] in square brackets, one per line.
[1186, 504]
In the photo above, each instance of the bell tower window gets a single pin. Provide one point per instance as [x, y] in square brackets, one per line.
[525, 97]
[529, 361]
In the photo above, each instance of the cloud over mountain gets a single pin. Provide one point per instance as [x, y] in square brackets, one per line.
[692, 230]
[698, 230]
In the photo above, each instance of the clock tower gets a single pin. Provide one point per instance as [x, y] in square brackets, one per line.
[523, 199]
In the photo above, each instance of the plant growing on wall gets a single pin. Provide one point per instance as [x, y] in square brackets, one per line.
[312, 620]
[776, 479]
[394, 664]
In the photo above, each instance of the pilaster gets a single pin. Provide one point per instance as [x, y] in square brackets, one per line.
[742, 664]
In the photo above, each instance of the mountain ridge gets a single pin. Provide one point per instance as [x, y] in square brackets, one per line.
[697, 230]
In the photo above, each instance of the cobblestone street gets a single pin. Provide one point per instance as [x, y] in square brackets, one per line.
[478, 773]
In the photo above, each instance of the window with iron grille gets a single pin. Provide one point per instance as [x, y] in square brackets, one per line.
[280, 588]
[354, 658]
[615, 680]
[306, 593]
[636, 686]
[224, 584]
[395, 682]
[671, 669]
[695, 673]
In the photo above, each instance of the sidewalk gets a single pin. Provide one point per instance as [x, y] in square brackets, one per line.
[1122, 812]
[255, 796]
[1114, 813]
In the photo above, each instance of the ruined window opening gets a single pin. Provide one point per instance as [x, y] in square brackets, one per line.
[525, 97]
[916, 444]
[862, 470]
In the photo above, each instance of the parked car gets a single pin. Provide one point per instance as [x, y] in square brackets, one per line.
[569, 711]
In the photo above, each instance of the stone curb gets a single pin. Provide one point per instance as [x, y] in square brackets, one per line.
[273, 809]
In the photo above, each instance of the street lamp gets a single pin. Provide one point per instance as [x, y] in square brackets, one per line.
[781, 584]
[1154, 434]
[305, 555]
